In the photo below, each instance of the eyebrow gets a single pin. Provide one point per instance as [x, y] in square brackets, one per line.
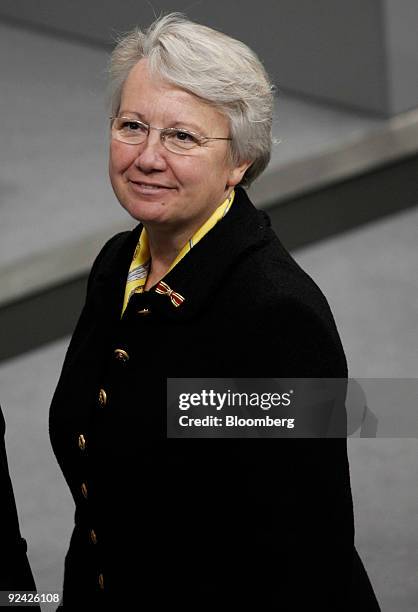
[175, 124]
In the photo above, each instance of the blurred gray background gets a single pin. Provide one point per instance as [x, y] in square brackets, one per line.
[341, 189]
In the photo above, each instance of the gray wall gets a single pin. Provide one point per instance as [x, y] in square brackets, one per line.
[401, 18]
[358, 53]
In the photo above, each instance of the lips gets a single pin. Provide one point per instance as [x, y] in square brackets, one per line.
[149, 188]
[151, 185]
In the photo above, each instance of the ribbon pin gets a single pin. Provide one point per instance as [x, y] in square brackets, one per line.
[164, 289]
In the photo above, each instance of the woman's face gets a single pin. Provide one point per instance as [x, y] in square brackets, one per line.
[188, 186]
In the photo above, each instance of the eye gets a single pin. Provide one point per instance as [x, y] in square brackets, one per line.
[132, 126]
[184, 137]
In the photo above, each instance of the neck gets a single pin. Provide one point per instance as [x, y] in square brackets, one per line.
[166, 242]
[164, 245]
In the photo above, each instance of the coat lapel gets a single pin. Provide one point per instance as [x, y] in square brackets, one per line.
[208, 264]
[197, 275]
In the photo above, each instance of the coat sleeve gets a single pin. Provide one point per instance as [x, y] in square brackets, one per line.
[15, 571]
[301, 340]
[307, 479]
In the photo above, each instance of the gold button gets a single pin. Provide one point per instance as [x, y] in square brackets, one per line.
[121, 355]
[144, 311]
[102, 397]
[101, 581]
[93, 536]
[84, 490]
[81, 442]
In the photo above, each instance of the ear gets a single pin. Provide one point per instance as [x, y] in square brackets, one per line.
[236, 173]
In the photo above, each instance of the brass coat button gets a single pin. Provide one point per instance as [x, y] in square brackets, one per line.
[84, 490]
[144, 311]
[82, 442]
[101, 581]
[102, 397]
[121, 355]
[93, 536]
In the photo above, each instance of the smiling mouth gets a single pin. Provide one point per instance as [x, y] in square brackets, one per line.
[148, 187]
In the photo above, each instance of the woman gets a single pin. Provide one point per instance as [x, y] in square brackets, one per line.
[201, 287]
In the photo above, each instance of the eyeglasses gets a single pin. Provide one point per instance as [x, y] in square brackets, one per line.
[176, 140]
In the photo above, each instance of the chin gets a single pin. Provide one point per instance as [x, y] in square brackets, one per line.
[146, 211]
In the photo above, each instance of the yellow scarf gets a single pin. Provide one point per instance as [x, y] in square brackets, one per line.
[141, 260]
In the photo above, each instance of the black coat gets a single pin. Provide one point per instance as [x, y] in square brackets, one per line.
[15, 571]
[205, 522]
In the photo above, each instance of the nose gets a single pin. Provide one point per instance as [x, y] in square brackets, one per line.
[151, 154]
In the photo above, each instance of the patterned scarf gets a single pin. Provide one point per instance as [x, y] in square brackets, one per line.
[141, 260]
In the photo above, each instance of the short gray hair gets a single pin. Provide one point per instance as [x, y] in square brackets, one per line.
[220, 70]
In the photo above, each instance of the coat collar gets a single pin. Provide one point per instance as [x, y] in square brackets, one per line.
[197, 275]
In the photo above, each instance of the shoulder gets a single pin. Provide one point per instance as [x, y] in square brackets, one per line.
[274, 278]
[269, 268]
[101, 288]
[111, 253]
[282, 306]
